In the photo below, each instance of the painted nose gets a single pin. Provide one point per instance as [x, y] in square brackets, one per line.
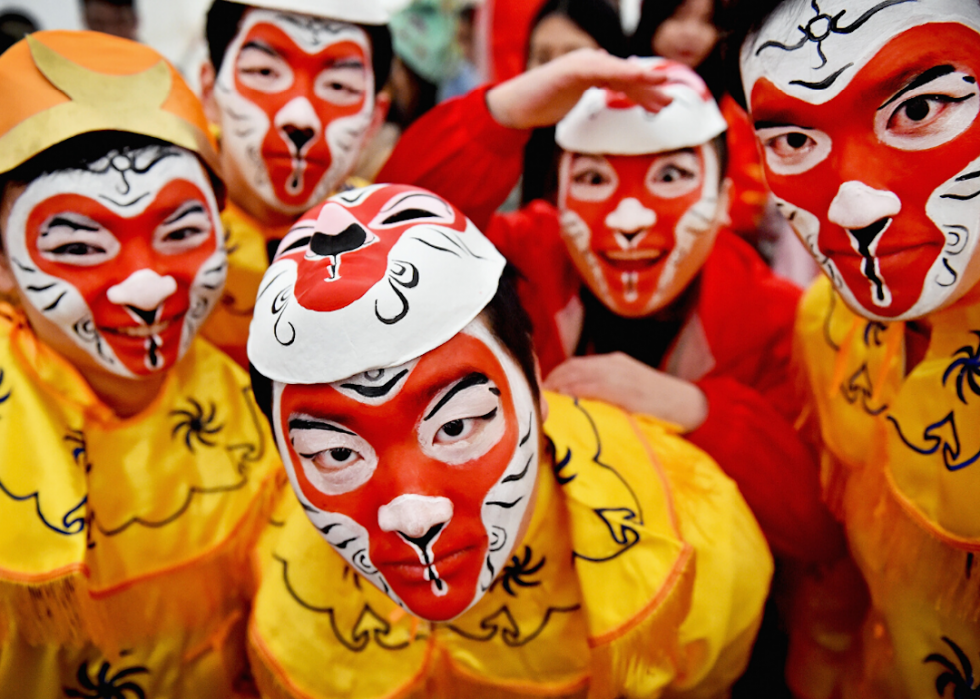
[858, 206]
[415, 516]
[298, 122]
[143, 291]
[630, 218]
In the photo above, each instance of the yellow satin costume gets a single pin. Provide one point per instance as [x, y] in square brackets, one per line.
[124, 555]
[901, 469]
[642, 574]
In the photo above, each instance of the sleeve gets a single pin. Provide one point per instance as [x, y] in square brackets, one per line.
[459, 152]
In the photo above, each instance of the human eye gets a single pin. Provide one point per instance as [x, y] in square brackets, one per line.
[929, 115]
[591, 179]
[188, 228]
[464, 422]
[76, 240]
[259, 68]
[334, 459]
[343, 83]
[674, 175]
[791, 150]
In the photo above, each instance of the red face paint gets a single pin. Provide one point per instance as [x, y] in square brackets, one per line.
[411, 436]
[862, 126]
[150, 342]
[296, 150]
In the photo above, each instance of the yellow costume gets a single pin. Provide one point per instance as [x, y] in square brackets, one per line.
[125, 556]
[642, 574]
[901, 468]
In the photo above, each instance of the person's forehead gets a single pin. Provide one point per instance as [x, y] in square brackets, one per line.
[311, 34]
[812, 49]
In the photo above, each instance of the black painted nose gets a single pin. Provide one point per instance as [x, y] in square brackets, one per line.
[299, 137]
[629, 235]
[422, 542]
[351, 238]
[148, 317]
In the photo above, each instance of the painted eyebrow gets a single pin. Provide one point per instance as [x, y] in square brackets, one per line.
[259, 46]
[347, 63]
[474, 379]
[62, 221]
[302, 424]
[192, 209]
[926, 77]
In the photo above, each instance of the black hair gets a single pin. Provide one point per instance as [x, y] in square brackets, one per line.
[508, 322]
[599, 20]
[224, 19]
[654, 13]
[741, 18]
[80, 152]
[114, 3]
[14, 26]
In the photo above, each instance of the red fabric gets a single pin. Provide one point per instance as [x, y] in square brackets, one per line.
[747, 315]
[459, 152]
[749, 191]
[510, 34]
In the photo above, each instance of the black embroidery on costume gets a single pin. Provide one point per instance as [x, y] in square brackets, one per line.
[4, 397]
[369, 625]
[510, 632]
[960, 676]
[518, 572]
[934, 438]
[872, 333]
[105, 686]
[822, 25]
[79, 452]
[196, 424]
[857, 389]
[967, 368]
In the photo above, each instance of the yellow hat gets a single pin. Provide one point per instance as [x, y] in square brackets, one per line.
[59, 84]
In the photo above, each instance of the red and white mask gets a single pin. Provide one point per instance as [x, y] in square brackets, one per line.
[408, 431]
[296, 95]
[866, 113]
[639, 193]
[419, 475]
[125, 257]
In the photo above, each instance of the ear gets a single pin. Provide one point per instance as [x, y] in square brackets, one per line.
[211, 109]
[382, 103]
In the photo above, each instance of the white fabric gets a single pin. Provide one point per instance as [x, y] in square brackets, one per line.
[354, 11]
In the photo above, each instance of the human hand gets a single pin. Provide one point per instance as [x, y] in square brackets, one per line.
[543, 95]
[619, 379]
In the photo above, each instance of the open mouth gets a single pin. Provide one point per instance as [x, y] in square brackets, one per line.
[632, 260]
[142, 332]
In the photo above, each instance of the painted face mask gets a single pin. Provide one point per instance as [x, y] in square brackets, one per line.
[639, 192]
[414, 447]
[867, 116]
[296, 95]
[125, 256]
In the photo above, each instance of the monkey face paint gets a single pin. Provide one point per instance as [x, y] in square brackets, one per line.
[639, 227]
[867, 117]
[419, 475]
[124, 257]
[296, 95]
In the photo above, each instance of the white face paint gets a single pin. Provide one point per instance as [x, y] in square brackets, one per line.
[421, 475]
[296, 95]
[125, 257]
[867, 113]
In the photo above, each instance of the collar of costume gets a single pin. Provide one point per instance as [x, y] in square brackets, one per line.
[370, 12]
[811, 49]
[371, 279]
[80, 82]
[610, 123]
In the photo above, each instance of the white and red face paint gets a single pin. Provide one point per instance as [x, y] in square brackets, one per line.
[419, 475]
[867, 117]
[125, 256]
[639, 227]
[296, 95]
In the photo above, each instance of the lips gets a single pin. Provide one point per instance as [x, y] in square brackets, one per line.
[142, 332]
[410, 570]
[632, 260]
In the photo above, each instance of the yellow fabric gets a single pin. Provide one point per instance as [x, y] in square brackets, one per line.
[604, 597]
[127, 540]
[248, 258]
[900, 476]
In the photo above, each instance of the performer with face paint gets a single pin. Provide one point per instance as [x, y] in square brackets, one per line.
[293, 86]
[866, 113]
[458, 546]
[678, 318]
[134, 470]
